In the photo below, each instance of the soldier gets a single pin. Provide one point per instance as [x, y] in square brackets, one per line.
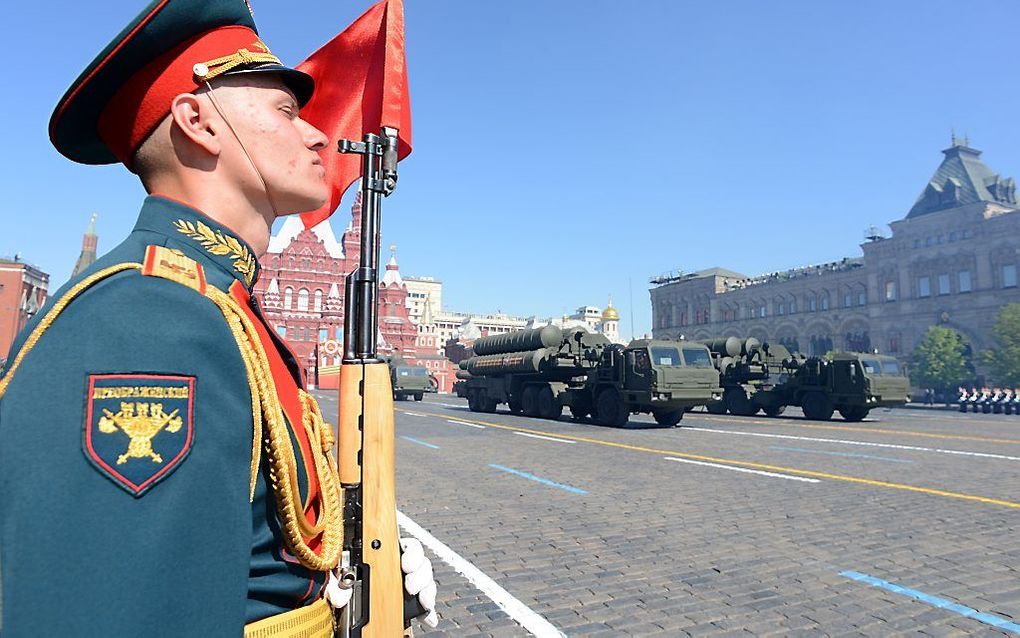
[962, 399]
[163, 470]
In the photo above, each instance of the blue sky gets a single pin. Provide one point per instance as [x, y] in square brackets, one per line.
[568, 150]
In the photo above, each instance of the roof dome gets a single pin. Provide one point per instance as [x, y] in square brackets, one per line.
[610, 314]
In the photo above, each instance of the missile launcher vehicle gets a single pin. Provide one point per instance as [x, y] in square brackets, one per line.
[539, 372]
[757, 377]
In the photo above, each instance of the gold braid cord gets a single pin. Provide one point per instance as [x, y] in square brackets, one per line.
[280, 452]
[55, 311]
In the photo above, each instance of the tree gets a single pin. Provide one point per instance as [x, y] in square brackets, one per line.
[1004, 361]
[939, 361]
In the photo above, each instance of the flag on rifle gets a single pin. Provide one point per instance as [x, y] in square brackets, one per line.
[360, 86]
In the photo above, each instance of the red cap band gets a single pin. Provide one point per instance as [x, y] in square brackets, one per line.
[144, 100]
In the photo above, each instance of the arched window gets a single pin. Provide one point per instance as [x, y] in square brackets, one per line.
[825, 301]
[302, 300]
[318, 301]
[288, 294]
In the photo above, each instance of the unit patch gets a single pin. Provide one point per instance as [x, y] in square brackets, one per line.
[138, 427]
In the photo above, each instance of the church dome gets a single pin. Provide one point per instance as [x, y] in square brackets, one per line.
[610, 314]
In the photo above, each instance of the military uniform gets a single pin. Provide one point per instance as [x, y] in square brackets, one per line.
[163, 471]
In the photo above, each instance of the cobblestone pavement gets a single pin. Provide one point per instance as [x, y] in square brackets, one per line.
[749, 530]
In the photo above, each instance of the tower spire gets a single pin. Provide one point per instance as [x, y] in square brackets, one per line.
[89, 243]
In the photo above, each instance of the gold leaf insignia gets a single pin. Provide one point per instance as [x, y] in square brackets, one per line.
[219, 244]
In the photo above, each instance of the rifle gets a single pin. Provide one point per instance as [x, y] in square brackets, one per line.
[379, 607]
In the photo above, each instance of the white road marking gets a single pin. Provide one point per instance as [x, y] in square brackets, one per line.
[450, 405]
[539, 436]
[891, 446]
[518, 611]
[743, 469]
[470, 425]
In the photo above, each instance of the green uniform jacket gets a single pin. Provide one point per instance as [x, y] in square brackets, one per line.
[97, 536]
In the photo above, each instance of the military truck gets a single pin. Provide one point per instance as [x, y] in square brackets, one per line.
[539, 372]
[757, 377]
[407, 380]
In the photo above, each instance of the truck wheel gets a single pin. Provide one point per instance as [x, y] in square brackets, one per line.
[488, 405]
[854, 413]
[418, 396]
[717, 407]
[817, 406]
[472, 398]
[529, 401]
[668, 417]
[610, 409]
[548, 406]
[775, 410]
[737, 402]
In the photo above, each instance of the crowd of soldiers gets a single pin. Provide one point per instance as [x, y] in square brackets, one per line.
[990, 401]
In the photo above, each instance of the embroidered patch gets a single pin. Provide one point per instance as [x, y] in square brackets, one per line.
[138, 427]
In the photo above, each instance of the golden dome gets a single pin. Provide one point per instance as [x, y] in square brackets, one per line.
[610, 314]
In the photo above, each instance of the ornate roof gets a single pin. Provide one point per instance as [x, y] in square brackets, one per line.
[963, 179]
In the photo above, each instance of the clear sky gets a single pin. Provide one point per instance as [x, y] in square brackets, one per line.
[568, 150]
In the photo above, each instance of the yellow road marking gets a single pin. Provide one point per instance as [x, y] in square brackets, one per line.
[762, 466]
[930, 435]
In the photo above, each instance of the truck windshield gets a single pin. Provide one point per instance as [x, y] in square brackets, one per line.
[411, 372]
[697, 358]
[871, 366]
[666, 356]
[891, 367]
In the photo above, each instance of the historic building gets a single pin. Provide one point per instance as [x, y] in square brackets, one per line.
[301, 291]
[951, 261]
[89, 243]
[23, 290]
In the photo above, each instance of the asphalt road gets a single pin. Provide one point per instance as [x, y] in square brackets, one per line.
[904, 524]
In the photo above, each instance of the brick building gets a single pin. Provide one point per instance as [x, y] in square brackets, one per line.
[301, 291]
[23, 290]
[952, 260]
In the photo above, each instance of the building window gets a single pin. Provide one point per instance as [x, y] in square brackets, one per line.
[944, 284]
[762, 311]
[288, 294]
[282, 331]
[952, 237]
[302, 300]
[825, 302]
[938, 240]
[847, 300]
[965, 234]
[781, 308]
[1009, 276]
[318, 301]
[965, 281]
[923, 287]
[917, 243]
[927, 241]
[862, 298]
[323, 334]
[890, 291]
[812, 304]
[793, 307]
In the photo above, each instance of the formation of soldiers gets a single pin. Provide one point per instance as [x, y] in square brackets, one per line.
[989, 400]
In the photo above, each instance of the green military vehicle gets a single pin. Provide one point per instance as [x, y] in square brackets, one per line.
[538, 372]
[759, 377]
[408, 380]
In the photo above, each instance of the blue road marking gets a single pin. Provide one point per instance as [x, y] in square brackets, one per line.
[849, 454]
[568, 488]
[968, 612]
[434, 447]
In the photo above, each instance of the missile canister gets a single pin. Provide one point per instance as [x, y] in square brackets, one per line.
[724, 347]
[519, 341]
[508, 362]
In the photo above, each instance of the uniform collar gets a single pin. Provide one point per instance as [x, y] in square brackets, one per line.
[200, 238]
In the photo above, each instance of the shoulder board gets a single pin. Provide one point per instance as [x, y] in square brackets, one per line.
[167, 263]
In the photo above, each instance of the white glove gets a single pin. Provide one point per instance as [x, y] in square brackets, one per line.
[336, 595]
[419, 580]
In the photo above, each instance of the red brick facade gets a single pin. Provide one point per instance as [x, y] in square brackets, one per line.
[22, 293]
[301, 290]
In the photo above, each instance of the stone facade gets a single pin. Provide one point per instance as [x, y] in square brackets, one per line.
[953, 260]
[23, 291]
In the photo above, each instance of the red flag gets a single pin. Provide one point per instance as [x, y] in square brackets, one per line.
[360, 86]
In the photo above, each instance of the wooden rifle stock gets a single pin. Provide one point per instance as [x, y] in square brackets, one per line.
[379, 607]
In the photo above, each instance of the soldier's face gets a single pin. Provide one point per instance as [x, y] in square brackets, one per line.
[284, 148]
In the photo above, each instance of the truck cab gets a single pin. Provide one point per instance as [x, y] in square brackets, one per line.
[664, 378]
[409, 381]
[887, 381]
